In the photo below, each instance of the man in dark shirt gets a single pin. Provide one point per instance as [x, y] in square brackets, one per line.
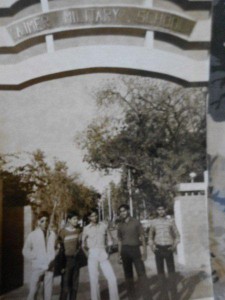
[130, 238]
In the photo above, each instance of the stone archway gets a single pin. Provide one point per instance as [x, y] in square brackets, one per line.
[54, 39]
[65, 36]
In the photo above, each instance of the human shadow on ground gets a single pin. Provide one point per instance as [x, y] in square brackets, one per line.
[178, 287]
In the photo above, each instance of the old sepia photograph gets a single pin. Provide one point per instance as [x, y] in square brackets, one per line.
[109, 161]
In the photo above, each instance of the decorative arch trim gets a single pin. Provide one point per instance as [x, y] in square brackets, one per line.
[111, 57]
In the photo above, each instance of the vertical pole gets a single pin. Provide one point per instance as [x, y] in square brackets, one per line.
[206, 181]
[99, 210]
[145, 212]
[103, 212]
[109, 205]
[130, 192]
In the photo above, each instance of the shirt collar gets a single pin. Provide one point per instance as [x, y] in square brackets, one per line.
[129, 219]
[93, 225]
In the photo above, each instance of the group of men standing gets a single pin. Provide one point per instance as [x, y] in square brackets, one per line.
[42, 246]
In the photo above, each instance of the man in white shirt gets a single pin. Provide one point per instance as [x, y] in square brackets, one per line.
[93, 243]
[39, 249]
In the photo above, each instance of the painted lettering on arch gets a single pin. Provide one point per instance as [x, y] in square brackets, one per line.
[91, 17]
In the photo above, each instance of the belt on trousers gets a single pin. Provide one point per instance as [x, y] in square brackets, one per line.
[163, 246]
[131, 246]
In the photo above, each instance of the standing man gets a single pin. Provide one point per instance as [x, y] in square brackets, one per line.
[130, 238]
[163, 240]
[94, 243]
[39, 249]
[69, 238]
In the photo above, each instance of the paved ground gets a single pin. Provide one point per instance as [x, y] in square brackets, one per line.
[191, 284]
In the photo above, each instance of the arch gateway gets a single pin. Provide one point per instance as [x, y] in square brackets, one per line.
[48, 41]
[58, 36]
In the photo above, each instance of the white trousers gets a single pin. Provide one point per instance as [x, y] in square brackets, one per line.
[96, 258]
[36, 277]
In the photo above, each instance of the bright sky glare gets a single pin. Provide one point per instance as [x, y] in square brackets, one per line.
[47, 116]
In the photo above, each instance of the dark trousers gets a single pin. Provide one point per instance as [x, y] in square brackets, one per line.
[131, 255]
[168, 285]
[164, 253]
[70, 279]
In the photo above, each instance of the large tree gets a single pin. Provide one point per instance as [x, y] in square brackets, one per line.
[154, 129]
[53, 189]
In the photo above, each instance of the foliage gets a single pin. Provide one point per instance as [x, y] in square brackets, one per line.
[158, 133]
[44, 187]
[115, 196]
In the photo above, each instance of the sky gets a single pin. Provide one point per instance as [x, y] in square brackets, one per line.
[48, 116]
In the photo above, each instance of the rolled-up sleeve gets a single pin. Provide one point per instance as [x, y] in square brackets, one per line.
[83, 238]
[176, 233]
[151, 235]
[119, 233]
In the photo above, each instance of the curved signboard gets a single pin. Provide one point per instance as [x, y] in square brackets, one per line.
[94, 17]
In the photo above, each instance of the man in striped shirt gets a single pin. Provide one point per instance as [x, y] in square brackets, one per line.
[163, 240]
[69, 238]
